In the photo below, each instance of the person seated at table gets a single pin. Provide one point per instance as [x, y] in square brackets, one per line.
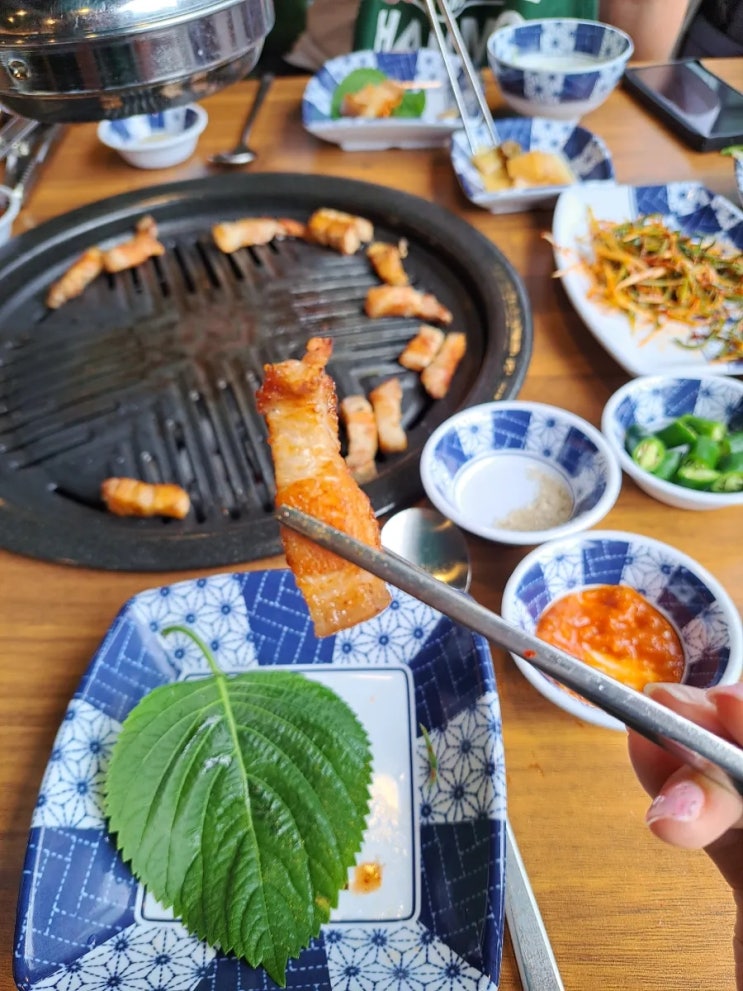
[334, 27]
[660, 29]
[689, 810]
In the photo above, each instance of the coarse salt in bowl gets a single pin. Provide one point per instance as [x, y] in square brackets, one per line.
[558, 67]
[519, 472]
[697, 606]
[653, 401]
[158, 140]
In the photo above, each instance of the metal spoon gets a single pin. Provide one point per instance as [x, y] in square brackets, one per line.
[435, 544]
[241, 154]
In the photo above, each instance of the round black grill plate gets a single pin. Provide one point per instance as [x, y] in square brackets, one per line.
[152, 373]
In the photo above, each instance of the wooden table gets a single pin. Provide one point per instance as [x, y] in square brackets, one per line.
[623, 910]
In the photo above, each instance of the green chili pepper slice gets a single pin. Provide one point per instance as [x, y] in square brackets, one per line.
[705, 452]
[695, 476]
[648, 453]
[728, 481]
[733, 443]
[677, 434]
[715, 429]
[730, 462]
[669, 465]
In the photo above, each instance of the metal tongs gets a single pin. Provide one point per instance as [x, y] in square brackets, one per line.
[473, 78]
[26, 157]
[712, 756]
[13, 131]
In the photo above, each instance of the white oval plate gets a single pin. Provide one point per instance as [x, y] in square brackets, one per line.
[688, 206]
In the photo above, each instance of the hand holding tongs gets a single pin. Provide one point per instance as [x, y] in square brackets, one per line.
[709, 754]
[470, 71]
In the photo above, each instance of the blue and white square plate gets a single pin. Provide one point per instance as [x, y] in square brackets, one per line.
[85, 924]
[686, 206]
[439, 119]
[586, 155]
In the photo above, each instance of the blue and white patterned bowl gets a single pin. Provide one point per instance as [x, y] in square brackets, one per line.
[489, 462]
[85, 923]
[699, 608]
[738, 159]
[155, 141]
[587, 156]
[439, 118]
[652, 401]
[558, 67]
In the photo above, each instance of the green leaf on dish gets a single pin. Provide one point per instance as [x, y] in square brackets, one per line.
[240, 802]
[413, 102]
[732, 150]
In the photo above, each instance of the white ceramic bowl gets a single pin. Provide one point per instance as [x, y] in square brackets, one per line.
[10, 204]
[699, 608]
[652, 401]
[558, 67]
[488, 465]
[155, 141]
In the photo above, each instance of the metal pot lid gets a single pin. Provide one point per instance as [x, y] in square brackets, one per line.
[69, 21]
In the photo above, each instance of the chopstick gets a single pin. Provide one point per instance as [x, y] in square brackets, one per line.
[709, 754]
[470, 71]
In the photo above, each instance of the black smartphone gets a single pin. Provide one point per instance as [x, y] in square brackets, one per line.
[693, 102]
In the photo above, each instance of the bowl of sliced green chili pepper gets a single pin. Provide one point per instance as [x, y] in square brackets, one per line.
[680, 438]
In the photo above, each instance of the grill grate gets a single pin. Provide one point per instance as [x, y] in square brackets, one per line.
[152, 372]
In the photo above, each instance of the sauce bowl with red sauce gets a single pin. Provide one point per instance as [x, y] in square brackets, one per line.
[637, 609]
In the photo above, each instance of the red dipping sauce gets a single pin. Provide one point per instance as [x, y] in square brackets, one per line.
[615, 629]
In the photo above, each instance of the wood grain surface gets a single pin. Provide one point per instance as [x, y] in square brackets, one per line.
[623, 911]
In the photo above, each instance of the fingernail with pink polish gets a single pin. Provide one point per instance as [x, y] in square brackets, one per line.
[682, 802]
[682, 693]
[731, 691]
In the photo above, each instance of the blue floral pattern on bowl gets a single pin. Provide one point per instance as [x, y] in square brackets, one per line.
[79, 924]
[545, 436]
[586, 155]
[439, 118]
[552, 91]
[147, 126]
[702, 613]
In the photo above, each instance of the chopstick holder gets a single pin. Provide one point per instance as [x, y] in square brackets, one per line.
[469, 69]
[712, 756]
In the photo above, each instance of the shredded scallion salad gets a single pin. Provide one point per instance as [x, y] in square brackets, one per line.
[654, 275]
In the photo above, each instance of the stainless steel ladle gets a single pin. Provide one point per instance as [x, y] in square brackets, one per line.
[434, 543]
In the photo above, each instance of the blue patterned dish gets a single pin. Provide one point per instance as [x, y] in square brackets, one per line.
[738, 159]
[585, 154]
[558, 67]
[155, 141]
[495, 467]
[440, 116]
[652, 402]
[699, 608]
[84, 923]
[687, 206]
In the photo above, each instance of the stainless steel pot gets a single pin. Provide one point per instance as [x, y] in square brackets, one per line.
[71, 60]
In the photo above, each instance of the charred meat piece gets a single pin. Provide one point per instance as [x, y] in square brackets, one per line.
[298, 400]
[132, 497]
[404, 301]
